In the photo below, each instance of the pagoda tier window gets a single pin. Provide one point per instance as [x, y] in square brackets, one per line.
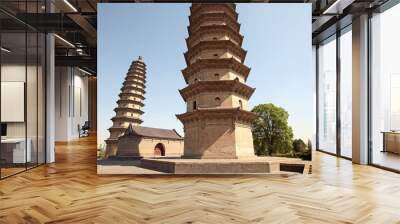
[217, 101]
[194, 105]
[240, 104]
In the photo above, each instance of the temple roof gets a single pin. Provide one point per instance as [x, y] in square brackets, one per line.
[217, 86]
[152, 132]
[129, 131]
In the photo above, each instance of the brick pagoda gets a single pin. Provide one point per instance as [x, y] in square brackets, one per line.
[130, 104]
[217, 123]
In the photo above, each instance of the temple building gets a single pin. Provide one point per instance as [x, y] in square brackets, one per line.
[130, 104]
[217, 123]
[138, 142]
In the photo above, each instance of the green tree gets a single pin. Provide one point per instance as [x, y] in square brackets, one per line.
[271, 132]
[299, 146]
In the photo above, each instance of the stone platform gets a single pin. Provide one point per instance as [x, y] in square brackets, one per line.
[225, 166]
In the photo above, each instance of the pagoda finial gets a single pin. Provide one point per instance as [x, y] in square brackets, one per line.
[140, 58]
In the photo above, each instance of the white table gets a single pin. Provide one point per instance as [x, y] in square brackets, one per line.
[19, 153]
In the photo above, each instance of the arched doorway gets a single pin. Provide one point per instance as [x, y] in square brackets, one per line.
[159, 150]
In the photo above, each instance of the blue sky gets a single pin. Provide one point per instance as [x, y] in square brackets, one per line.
[277, 38]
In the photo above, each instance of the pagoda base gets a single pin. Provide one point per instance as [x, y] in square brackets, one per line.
[208, 157]
[125, 158]
[256, 165]
[218, 133]
[111, 147]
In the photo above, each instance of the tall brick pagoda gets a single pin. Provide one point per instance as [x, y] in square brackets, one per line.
[217, 123]
[130, 104]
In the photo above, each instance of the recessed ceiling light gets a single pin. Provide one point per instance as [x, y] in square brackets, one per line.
[84, 71]
[64, 40]
[337, 7]
[5, 50]
[70, 5]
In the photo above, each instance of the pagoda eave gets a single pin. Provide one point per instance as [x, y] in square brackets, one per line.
[132, 110]
[127, 119]
[217, 113]
[130, 101]
[137, 69]
[212, 30]
[134, 83]
[224, 63]
[196, 6]
[215, 44]
[132, 94]
[135, 76]
[199, 11]
[217, 16]
[116, 129]
[138, 64]
[133, 88]
[111, 140]
[136, 72]
[217, 86]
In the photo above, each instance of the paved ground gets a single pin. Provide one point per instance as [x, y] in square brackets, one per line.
[122, 167]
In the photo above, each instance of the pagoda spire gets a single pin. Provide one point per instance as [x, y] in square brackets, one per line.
[129, 105]
[217, 123]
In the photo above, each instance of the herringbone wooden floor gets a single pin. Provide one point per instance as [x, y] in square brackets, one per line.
[69, 191]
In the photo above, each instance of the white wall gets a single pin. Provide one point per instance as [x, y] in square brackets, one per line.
[71, 102]
[17, 73]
